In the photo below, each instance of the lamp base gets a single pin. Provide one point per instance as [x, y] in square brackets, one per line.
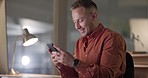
[13, 72]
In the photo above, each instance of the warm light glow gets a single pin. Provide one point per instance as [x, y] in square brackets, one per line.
[25, 60]
[30, 42]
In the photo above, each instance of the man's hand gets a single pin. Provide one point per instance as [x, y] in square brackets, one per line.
[62, 57]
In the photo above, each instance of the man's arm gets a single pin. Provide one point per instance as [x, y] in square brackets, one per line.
[63, 61]
[68, 72]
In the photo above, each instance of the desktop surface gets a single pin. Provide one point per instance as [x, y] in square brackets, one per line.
[30, 76]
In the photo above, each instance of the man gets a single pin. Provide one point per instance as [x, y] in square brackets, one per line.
[99, 52]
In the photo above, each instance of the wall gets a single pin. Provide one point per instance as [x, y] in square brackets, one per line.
[3, 40]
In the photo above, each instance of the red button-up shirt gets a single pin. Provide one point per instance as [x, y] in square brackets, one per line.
[102, 54]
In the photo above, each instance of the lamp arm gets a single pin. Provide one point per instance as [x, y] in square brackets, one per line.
[13, 55]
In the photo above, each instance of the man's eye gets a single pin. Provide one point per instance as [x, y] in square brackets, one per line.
[80, 20]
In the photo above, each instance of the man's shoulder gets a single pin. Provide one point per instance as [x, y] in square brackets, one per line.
[111, 32]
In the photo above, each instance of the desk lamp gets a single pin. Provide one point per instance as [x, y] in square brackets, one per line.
[28, 39]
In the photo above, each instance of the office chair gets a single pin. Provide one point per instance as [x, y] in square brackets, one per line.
[129, 73]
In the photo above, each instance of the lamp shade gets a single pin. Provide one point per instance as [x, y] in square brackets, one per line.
[29, 39]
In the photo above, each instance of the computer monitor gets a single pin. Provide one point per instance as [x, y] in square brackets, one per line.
[3, 40]
[139, 33]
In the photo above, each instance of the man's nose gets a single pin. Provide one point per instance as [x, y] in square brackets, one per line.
[77, 26]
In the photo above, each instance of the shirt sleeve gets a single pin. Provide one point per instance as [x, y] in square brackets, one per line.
[112, 58]
[68, 72]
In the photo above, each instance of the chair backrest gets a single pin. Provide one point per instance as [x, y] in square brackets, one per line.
[129, 73]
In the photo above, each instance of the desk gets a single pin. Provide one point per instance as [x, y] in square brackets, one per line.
[140, 65]
[30, 76]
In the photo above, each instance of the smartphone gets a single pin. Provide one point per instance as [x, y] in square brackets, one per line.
[50, 46]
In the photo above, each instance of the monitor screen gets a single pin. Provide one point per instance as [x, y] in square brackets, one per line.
[139, 33]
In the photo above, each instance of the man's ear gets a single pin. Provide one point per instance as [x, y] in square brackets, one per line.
[94, 15]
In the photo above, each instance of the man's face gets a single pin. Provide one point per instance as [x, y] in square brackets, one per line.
[83, 20]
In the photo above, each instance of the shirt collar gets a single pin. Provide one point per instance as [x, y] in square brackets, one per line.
[95, 33]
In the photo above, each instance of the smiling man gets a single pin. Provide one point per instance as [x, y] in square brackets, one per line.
[99, 53]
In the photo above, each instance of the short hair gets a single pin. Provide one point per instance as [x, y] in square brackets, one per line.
[83, 3]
